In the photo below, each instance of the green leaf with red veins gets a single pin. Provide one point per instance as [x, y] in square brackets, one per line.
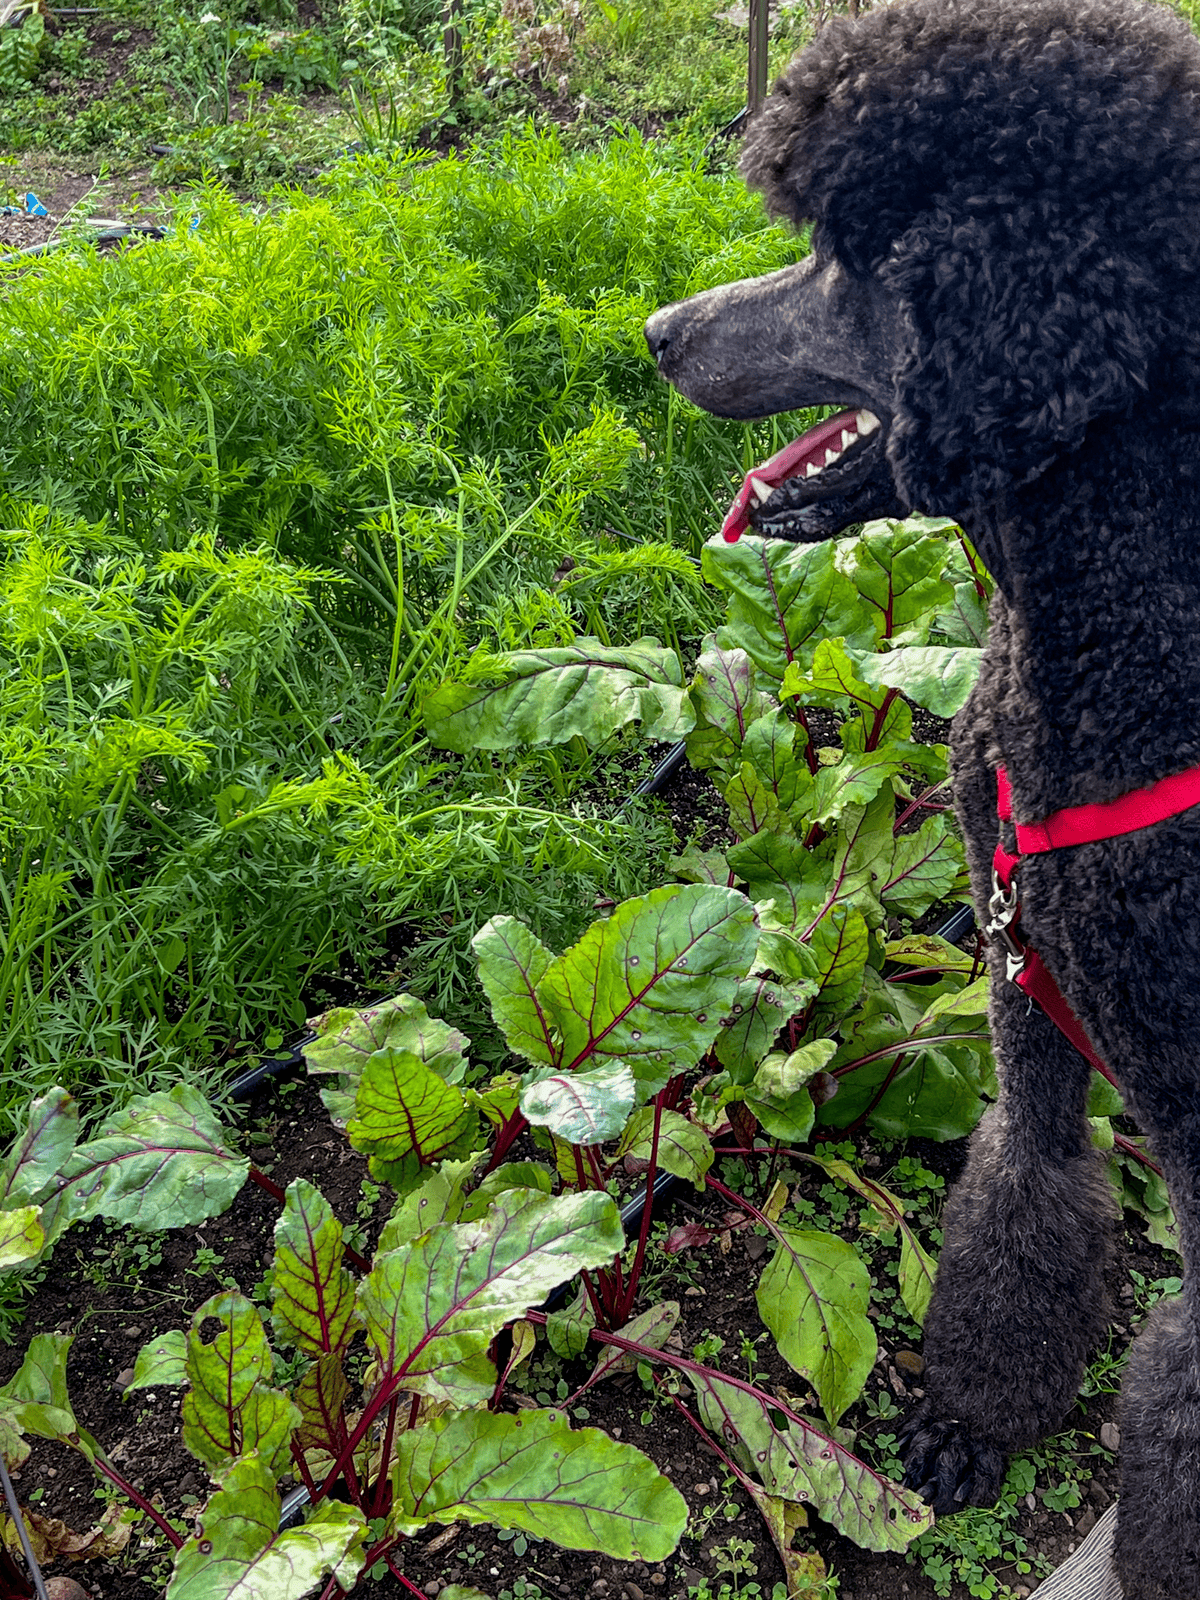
[439, 1198]
[160, 1163]
[700, 866]
[969, 1001]
[319, 1395]
[836, 681]
[938, 677]
[653, 1328]
[238, 1552]
[926, 865]
[38, 1155]
[855, 780]
[774, 747]
[312, 1294]
[512, 962]
[580, 1488]
[723, 691]
[22, 1237]
[433, 1307]
[548, 696]
[567, 1331]
[783, 600]
[512, 1175]
[649, 985]
[762, 1007]
[841, 945]
[928, 950]
[403, 1108]
[778, 1097]
[752, 805]
[35, 1400]
[798, 1461]
[898, 571]
[581, 1107]
[683, 1149]
[229, 1409]
[347, 1039]
[791, 885]
[813, 1298]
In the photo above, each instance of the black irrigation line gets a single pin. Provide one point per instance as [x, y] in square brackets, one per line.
[108, 233]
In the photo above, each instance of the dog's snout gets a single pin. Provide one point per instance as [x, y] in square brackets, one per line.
[658, 333]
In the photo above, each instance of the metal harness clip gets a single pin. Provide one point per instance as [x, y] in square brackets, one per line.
[1004, 908]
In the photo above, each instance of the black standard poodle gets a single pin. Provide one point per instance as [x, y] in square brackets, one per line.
[1004, 292]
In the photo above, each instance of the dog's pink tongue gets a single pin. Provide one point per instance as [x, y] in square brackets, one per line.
[792, 461]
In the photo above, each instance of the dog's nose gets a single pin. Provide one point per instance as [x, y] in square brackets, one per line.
[658, 333]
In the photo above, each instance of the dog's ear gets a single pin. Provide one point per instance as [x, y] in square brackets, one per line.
[1015, 337]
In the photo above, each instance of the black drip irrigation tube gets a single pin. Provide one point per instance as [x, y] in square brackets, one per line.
[105, 233]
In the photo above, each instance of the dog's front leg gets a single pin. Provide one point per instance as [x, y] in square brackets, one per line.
[1019, 1300]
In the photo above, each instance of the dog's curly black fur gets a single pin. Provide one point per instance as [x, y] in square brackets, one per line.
[1006, 196]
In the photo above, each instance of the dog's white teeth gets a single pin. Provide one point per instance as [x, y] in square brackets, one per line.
[831, 456]
[812, 470]
[867, 422]
[848, 438]
[762, 490]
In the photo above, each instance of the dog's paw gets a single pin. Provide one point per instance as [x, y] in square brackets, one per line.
[946, 1466]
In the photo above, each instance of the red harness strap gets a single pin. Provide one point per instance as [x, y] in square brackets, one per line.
[1071, 826]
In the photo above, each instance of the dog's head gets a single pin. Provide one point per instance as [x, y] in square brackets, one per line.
[1005, 202]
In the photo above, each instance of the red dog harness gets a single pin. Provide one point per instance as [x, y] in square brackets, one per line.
[1071, 826]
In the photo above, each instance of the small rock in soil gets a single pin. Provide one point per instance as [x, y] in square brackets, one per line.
[1110, 1436]
[1086, 1522]
[756, 1247]
[123, 1379]
[65, 1589]
[1098, 1494]
[909, 1363]
[632, 1592]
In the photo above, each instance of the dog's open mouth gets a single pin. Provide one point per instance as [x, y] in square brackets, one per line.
[829, 462]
